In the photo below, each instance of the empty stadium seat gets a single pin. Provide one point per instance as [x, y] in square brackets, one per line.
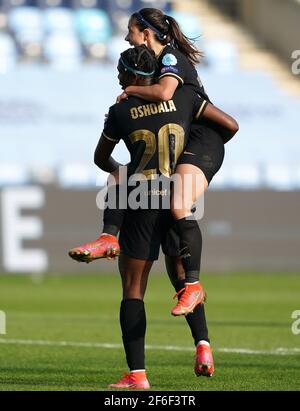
[99, 4]
[92, 25]
[27, 25]
[3, 19]
[25, 18]
[63, 51]
[8, 4]
[8, 53]
[58, 20]
[55, 3]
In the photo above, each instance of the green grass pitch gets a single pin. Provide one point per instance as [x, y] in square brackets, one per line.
[62, 333]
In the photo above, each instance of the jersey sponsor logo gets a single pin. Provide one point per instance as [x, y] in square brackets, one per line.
[156, 192]
[169, 60]
[169, 69]
[150, 109]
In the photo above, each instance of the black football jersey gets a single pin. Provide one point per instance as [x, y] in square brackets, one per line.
[171, 62]
[154, 133]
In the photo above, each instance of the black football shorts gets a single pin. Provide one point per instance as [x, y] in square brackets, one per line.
[144, 231]
[204, 149]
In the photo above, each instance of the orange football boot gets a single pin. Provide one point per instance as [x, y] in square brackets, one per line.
[191, 295]
[135, 380]
[106, 246]
[204, 364]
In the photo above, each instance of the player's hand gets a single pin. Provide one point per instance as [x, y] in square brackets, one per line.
[121, 97]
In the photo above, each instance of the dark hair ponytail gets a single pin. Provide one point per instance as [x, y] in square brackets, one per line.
[181, 42]
[167, 30]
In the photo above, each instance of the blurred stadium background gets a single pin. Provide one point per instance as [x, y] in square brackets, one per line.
[57, 80]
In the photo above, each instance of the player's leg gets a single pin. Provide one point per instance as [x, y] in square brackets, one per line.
[106, 246]
[134, 274]
[184, 195]
[204, 364]
[196, 319]
[192, 183]
[140, 242]
[196, 167]
[189, 295]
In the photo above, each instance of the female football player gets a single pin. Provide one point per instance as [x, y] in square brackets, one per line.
[203, 155]
[143, 231]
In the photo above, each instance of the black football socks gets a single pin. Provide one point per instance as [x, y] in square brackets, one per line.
[133, 325]
[190, 247]
[113, 214]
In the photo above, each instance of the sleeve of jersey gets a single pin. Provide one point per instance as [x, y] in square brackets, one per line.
[199, 107]
[172, 66]
[110, 131]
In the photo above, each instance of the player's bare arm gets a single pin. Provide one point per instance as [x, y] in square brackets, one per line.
[162, 91]
[228, 125]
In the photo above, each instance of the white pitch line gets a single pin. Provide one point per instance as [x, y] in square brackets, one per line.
[274, 351]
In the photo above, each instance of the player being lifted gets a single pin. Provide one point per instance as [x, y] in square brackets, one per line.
[143, 231]
[202, 157]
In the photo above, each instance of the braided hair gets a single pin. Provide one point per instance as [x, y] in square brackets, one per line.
[167, 30]
[138, 61]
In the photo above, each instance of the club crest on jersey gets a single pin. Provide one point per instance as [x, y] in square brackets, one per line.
[169, 60]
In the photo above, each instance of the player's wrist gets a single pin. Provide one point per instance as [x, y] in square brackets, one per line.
[127, 90]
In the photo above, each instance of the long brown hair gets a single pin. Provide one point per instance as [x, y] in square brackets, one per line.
[167, 30]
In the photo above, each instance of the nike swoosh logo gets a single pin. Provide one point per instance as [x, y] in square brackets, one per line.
[187, 152]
